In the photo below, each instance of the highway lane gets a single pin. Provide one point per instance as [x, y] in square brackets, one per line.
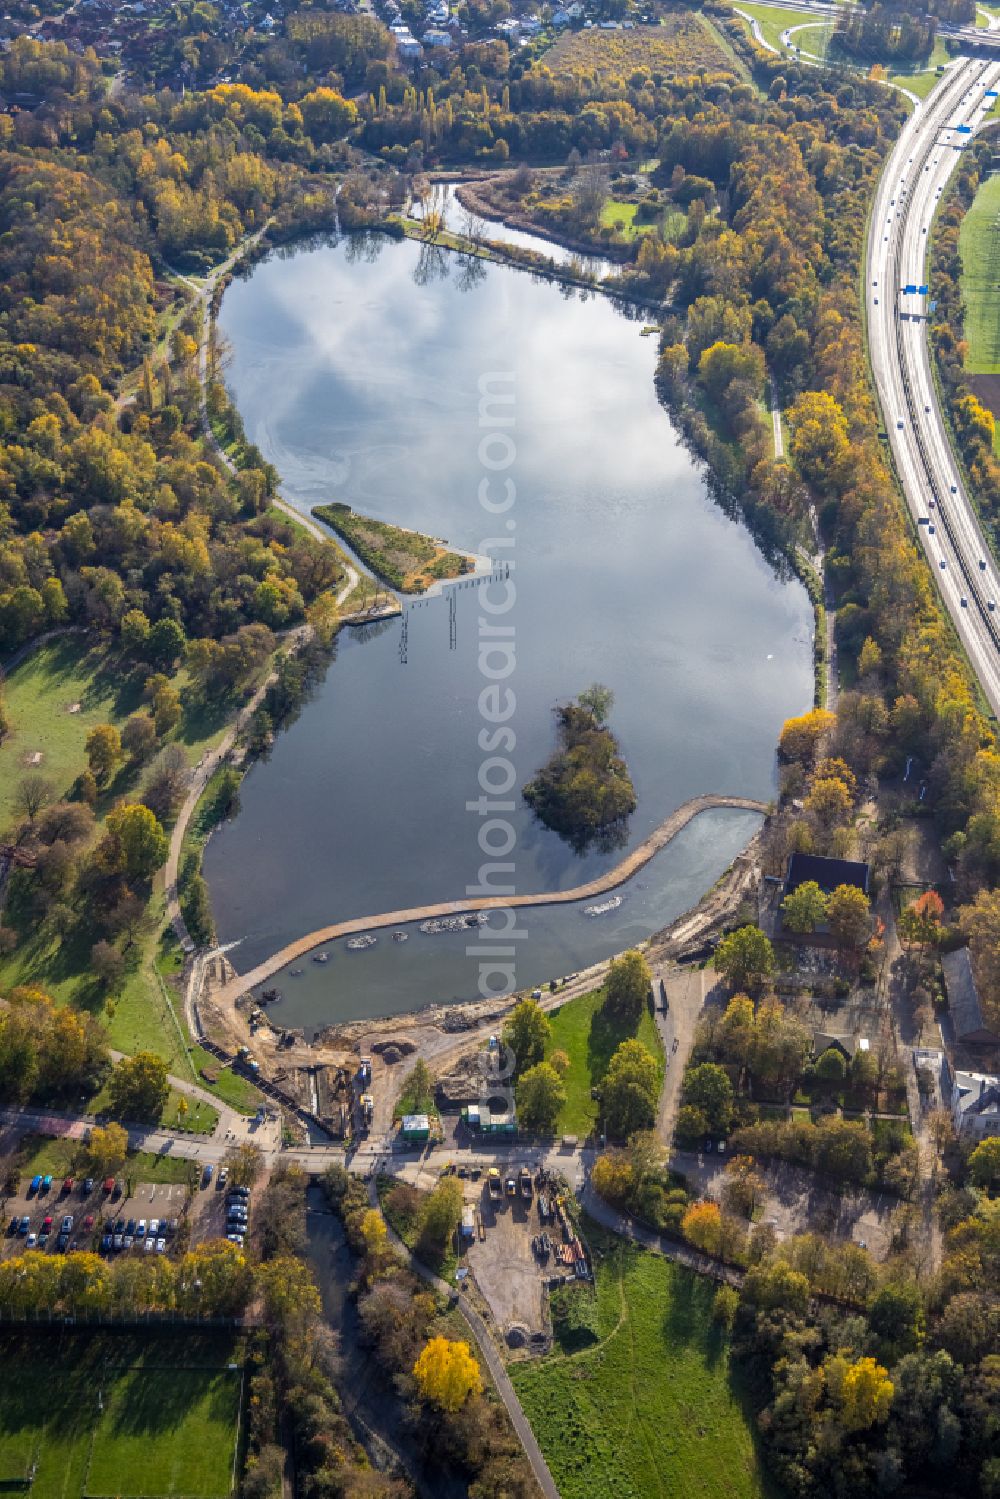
[913, 180]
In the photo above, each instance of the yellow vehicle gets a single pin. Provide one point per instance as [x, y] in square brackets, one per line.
[494, 1186]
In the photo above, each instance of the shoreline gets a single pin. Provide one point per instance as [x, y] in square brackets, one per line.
[237, 987]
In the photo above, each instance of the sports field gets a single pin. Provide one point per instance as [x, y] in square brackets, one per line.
[113, 1415]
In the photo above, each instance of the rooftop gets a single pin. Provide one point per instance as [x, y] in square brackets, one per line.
[828, 873]
[963, 998]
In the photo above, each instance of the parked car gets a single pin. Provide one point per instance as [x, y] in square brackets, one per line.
[108, 1185]
[161, 1246]
[140, 1229]
[223, 1178]
[31, 1242]
[88, 1186]
[67, 1186]
[47, 1225]
[66, 1227]
[88, 1223]
[154, 1227]
[46, 1183]
[206, 1175]
[116, 1191]
[150, 1246]
[35, 1185]
[107, 1243]
[24, 1225]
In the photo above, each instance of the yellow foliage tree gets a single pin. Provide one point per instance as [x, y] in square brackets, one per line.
[702, 1226]
[800, 736]
[861, 1392]
[373, 1230]
[612, 1176]
[447, 1373]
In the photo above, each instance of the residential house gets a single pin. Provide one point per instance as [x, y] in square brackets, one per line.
[975, 1105]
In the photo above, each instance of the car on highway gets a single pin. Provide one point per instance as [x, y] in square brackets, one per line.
[965, 602]
[982, 565]
[944, 564]
[990, 605]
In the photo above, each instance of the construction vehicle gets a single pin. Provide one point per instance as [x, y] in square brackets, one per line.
[493, 1184]
[524, 1180]
[511, 1185]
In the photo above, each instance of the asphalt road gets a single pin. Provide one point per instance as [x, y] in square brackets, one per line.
[915, 176]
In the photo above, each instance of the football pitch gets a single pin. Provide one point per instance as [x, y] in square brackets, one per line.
[109, 1415]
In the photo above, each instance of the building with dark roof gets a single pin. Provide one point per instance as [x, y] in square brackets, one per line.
[964, 1002]
[828, 873]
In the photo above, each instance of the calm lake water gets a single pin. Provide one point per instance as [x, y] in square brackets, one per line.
[358, 368]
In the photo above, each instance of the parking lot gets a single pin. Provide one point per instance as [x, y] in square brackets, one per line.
[34, 1217]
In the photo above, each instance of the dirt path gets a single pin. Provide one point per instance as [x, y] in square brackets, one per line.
[623, 871]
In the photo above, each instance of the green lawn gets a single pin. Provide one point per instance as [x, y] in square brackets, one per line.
[39, 694]
[55, 1157]
[773, 22]
[107, 1415]
[979, 244]
[56, 696]
[582, 1030]
[653, 1409]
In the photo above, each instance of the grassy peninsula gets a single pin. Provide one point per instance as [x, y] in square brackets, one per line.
[404, 559]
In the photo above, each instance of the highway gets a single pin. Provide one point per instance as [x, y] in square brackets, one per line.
[912, 182]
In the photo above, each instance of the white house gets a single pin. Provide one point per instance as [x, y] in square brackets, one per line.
[434, 38]
[975, 1105]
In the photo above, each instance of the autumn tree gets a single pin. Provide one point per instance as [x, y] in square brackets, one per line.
[860, 1391]
[849, 915]
[33, 792]
[630, 1090]
[745, 958]
[138, 1087]
[920, 923]
[526, 1033]
[707, 1087]
[104, 750]
[374, 1232]
[440, 1216]
[828, 802]
[804, 909]
[135, 844]
[800, 737]
[702, 1226]
[984, 1162]
[540, 1096]
[244, 1162]
[105, 1150]
[627, 986]
[447, 1373]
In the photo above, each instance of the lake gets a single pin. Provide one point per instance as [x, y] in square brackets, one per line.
[421, 389]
